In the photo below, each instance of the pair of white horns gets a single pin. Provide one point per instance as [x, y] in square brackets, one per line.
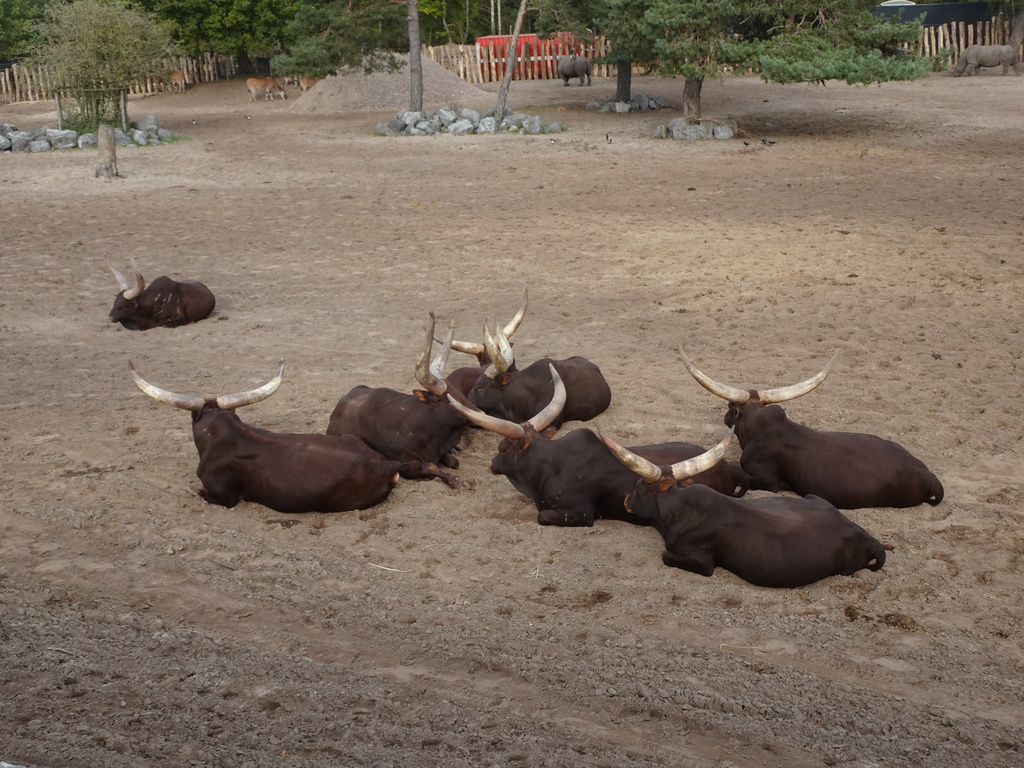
[767, 396]
[196, 402]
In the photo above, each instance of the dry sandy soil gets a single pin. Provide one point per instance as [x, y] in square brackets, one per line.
[141, 626]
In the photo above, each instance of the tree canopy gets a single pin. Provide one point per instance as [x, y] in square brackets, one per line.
[326, 36]
[89, 44]
[785, 41]
[18, 19]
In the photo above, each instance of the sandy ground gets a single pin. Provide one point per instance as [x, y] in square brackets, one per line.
[140, 626]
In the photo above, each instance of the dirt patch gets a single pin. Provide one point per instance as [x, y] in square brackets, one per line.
[140, 626]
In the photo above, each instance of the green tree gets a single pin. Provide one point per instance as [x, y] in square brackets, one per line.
[328, 36]
[785, 41]
[18, 19]
[241, 28]
[95, 49]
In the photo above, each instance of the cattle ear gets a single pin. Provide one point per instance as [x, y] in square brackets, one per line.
[686, 483]
[505, 379]
[420, 395]
[665, 483]
[549, 433]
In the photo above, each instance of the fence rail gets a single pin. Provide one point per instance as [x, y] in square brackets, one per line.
[30, 83]
[482, 63]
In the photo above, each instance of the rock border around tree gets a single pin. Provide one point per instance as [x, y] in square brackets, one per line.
[145, 132]
[464, 122]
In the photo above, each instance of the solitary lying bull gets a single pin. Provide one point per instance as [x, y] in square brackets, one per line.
[849, 469]
[574, 66]
[286, 472]
[975, 56]
[771, 542]
[164, 302]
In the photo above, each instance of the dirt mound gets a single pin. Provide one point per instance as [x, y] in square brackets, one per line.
[390, 91]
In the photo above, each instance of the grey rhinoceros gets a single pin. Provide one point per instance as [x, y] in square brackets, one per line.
[574, 66]
[975, 56]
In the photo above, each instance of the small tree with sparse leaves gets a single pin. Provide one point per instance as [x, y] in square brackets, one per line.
[94, 50]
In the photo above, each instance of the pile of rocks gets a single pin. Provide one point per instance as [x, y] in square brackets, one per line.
[640, 102]
[146, 131]
[705, 128]
[466, 121]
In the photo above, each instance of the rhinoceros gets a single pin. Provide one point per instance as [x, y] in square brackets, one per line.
[574, 66]
[975, 56]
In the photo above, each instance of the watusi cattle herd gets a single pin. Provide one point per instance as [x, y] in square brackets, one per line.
[694, 498]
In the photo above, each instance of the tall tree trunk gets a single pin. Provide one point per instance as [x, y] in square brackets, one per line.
[691, 98]
[623, 80]
[1017, 31]
[415, 57]
[511, 55]
[106, 148]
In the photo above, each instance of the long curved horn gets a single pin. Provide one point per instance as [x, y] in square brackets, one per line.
[491, 423]
[138, 287]
[513, 324]
[230, 402]
[684, 469]
[793, 391]
[188, 402]
[500, 352]
[732, 394]
[431, 374]
[648, 470]
[542, 420]
[476, 348]
[123, 283]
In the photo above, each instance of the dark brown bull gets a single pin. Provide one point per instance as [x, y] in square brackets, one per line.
[771, 542]
[848, 469]
[516, 395]
[420, 430]
[464, 379]
[285, 472]
[575, 479]
[164, 302]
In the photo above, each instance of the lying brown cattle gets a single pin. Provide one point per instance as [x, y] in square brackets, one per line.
[515, 395]
[464, 379]
[848, 469]
[286, 472]
[575, 479]
[165, 302]
[419, 430]
[770, 542]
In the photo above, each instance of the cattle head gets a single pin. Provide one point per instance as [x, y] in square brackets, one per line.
[125, 303]
[204, 409]
[517, 436]
[744, 401]
[654, 480]
[479, 350]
